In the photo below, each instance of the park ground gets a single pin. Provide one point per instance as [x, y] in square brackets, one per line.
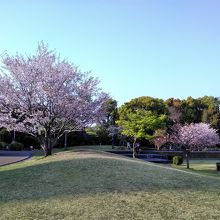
[92, 184]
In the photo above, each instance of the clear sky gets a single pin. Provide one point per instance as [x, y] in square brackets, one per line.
[159, 48]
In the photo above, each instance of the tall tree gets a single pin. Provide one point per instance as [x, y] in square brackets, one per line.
[147, 103]
[138, 120]
[211, 113]
[110, 107]
[43, 95]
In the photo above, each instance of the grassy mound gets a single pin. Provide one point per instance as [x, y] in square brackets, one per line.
[95, 185]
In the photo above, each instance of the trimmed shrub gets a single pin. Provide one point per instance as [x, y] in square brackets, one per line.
[177, 160]
[14, 145]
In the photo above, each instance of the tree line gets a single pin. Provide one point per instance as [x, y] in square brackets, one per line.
[46, 97]
[147, 117]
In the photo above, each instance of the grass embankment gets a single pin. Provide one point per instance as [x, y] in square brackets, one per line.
[206, 166]
[95, 185]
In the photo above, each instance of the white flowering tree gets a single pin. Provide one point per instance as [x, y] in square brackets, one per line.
[113, 131]
[194, 136]
[44, 96]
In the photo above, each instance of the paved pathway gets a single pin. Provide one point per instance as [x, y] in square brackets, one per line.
[8, 157]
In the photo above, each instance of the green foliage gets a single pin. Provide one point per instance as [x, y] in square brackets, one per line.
[140, 118]
[155, 105]
[91, 131]
[177, 103]
[5, 135]
[142, 124]
[100, 132]
[177, 160]
[204, 109]
[2, 145]
[110, 107]
[14, 145]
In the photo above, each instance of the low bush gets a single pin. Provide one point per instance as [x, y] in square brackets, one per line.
[14, 145]
[177, 160]
[2, 145]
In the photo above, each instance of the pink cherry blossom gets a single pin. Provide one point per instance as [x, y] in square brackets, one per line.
[195, 136]
[43, 95]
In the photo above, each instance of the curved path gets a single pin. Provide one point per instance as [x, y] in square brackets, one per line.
[8, 157]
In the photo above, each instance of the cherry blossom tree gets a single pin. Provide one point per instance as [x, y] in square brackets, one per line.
[194, 137]
[44, 96]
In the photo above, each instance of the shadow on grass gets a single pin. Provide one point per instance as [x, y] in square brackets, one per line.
[88, 176]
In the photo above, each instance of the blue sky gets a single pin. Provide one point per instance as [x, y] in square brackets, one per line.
[159, 48]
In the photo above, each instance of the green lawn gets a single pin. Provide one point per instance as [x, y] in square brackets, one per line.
[202, 166]
[95, 185]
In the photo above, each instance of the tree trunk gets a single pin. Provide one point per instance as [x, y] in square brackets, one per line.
[134, 152]
[187, 159]
[158, 147]
[65, 140]
[48, 147]
[48, 151]
[113, 142]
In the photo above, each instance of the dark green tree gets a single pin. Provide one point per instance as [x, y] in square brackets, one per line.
[110, 107]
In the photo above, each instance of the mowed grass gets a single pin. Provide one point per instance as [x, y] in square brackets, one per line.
[95, 185]
[202, 166]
